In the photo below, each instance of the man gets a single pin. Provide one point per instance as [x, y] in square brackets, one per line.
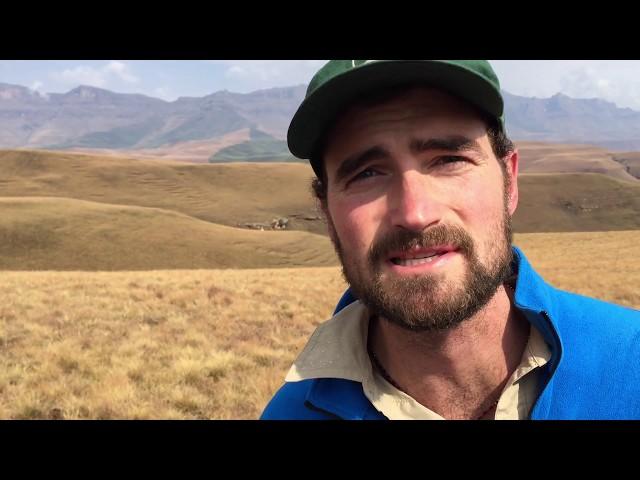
[443, 319]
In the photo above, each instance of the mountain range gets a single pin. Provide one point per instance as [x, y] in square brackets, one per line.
[95, 118]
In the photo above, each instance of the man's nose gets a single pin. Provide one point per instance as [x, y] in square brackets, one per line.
[414, 203]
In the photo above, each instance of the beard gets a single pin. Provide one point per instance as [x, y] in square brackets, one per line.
[430, 302]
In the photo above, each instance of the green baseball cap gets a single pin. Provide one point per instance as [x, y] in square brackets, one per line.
[339, 82]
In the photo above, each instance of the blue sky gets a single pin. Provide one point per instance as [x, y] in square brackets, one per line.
[614, 80]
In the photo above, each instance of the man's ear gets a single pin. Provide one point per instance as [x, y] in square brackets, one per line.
[511, 170]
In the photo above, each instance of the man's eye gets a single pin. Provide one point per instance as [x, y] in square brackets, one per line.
[449, 159]
[367, 173]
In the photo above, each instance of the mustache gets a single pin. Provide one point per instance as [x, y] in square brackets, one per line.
[405, 240]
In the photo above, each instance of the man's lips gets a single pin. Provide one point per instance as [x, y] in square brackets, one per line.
[419, 255]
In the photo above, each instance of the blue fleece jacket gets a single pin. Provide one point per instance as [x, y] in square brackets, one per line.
[593, 373]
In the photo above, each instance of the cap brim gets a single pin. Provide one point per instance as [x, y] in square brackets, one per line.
[316, 113]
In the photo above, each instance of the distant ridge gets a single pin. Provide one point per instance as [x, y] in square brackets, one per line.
[89, 117]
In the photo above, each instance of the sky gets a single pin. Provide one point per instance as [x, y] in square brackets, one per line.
[617, 81]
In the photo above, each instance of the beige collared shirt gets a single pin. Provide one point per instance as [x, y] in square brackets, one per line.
[338, 349]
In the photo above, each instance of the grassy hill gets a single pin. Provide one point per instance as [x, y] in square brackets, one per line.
[65, 234]
[631, 161]
[82, 212]
[539, 157]
[260, 150]
[575, 202]
[239, 193]
[227, 194]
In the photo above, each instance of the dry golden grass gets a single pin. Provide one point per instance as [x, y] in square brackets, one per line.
[226, 194]
[234, 194]
[158, 344]
[211, 343]
[543, 157]
[66, 234]
[572, 202]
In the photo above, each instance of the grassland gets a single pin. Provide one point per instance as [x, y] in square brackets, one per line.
[179, 344]
[544, 157]
[225, 194]
[262, 150]
[576, 202]
[211, 343]
[66, 234]
[238, 193]
[154, 304]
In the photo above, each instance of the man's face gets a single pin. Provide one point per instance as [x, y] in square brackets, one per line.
[418, 208]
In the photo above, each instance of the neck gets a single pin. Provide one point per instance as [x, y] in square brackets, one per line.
[460, 372]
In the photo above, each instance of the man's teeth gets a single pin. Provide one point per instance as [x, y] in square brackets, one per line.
[410, 262]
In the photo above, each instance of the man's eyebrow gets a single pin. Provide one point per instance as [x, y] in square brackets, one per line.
[453, 144]
[355, 161]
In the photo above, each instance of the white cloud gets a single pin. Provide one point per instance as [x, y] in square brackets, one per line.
[96, 76]
[81, 75]
[247, 75]
[36, 88]
[236, 71]
[612, 80]
[585, 82]
[122, 71]
[163, 93]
